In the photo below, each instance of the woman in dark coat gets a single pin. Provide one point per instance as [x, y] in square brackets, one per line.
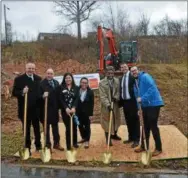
[49, 87]
[85, 110]
[69, 101]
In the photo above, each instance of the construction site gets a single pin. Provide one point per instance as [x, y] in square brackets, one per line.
[164, 57]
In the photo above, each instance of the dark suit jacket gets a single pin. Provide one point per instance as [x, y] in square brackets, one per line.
[33, 95]
[64, 100]
[53, 101]
[131, 87]
[86, 107]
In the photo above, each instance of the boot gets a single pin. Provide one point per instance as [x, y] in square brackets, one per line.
[115, 136]
[106, 135]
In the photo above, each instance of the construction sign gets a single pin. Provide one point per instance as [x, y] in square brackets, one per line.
[94, 79]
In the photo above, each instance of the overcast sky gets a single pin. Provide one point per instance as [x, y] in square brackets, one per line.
[31, 17]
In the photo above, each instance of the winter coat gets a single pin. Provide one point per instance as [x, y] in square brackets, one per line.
[53, 101]
[33, 95]
[86, 107]
[105, 97]
[68, 98]
[148, 91]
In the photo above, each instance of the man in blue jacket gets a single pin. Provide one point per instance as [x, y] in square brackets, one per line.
[148, 96]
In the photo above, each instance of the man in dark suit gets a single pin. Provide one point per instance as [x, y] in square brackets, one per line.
[128, 101]
[49, 88]
[29, 83]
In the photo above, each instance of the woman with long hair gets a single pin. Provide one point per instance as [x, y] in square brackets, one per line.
[85, 110]
[69, 100]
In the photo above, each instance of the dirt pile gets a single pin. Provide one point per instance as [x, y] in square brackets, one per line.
[171, 80]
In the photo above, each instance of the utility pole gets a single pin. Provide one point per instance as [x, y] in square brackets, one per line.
[5, 16]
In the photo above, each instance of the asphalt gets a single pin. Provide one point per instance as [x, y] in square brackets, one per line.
[10, 171]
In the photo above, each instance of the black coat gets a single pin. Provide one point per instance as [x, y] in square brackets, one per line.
[33, 95]
[131, 87]
[68, 97]
[53, 101]
[86, 107]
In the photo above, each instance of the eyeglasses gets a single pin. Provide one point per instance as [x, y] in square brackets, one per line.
[84, 83]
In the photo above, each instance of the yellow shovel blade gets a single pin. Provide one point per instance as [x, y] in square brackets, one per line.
[24, 153]
[107, 158]
[45, 155]
[146, 158]
[71, 156]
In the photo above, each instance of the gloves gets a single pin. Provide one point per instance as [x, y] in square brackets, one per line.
[114, 100]
[109, 108]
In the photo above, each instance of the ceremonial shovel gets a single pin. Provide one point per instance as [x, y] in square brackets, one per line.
[107, 156]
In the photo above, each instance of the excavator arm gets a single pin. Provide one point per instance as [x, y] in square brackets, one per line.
[111, 44]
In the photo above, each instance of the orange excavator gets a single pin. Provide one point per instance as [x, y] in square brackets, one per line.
[127, 51]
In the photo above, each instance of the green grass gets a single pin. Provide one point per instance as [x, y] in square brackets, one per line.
[11, 143]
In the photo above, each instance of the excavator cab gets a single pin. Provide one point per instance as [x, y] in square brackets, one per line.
[128, 52]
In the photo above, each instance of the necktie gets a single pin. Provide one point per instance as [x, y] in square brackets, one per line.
[51, 83]
[124, 87]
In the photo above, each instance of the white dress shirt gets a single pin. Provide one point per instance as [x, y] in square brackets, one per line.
[126, 86]
[82, 94]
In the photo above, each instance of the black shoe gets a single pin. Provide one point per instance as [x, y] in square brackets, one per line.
[82, 141]
[127, 141]
[76, 146]
[135, 144]
[38, 148]
[115, 137]
[58, 147]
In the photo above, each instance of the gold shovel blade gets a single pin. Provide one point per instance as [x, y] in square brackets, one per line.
[71, 156]
[107, 158]
[146, 158]
[24, 153]
[45, 155]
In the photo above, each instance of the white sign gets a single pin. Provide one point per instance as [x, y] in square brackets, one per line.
[94, 79]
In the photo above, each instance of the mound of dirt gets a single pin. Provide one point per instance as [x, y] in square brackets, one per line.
[171, 80]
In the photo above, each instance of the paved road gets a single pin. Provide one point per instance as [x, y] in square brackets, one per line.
[9, 171]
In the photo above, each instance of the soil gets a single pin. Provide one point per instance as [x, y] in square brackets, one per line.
[171, 79]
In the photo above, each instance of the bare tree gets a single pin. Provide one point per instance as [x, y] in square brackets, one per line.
[171, 27]
[75, 12]
[143, 24]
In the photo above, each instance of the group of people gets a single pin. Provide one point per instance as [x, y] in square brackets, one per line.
[137, 93]
[72, 100]
[134, 90]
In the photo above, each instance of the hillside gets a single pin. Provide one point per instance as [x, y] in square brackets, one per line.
[171, 80]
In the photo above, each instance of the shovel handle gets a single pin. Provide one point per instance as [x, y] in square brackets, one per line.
[45, 119]
[71, 129]
[25, 117]
[141, 116]
[110, 126]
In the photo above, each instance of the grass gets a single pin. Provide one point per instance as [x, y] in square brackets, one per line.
[11, 143]
[172, 82]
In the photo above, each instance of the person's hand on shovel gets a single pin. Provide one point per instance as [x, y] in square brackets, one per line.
[25, 90]
[139, 100]
[110, 108]
[45, 95]
[73, 110]
[68, 111]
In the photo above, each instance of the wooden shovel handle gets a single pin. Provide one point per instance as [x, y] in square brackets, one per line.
[71, 129]
[25, 117]
[141, 118]
[110, 126]
[45, 119]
